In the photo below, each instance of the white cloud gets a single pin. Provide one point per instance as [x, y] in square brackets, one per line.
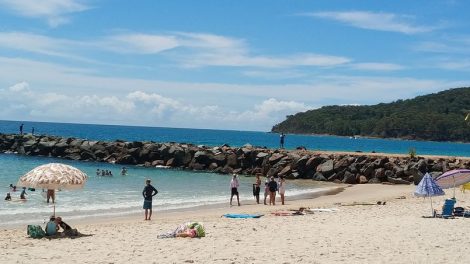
[19, 87]
[54, 11]
[194, 50]
[139, 108]
[200, 50]
[39, 44]
[375, 66]
[142, 43]
[374, 21]
[458, 65]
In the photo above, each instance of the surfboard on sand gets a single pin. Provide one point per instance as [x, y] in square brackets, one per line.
[242, 215]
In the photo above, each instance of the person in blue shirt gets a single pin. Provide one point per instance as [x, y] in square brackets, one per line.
[148, 193]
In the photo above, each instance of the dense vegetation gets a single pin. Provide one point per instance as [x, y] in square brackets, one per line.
[439, 117]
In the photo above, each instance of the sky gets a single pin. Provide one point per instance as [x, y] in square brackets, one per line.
[222, 64]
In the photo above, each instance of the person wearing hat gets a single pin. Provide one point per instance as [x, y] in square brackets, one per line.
[149, 192]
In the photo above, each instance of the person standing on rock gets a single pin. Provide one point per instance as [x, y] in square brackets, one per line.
[281, 142]
[234, 187]
[149, 192]
[21, 129]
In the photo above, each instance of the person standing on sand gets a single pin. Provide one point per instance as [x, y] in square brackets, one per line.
[272, 186]
[234, 187]
[282, 188]
[281, 142]
[257, 188]
[266, 190]
[149, 192]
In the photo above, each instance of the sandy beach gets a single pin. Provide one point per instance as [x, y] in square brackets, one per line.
[391, 233]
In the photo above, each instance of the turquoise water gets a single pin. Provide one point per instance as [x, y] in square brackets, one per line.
[117, 195]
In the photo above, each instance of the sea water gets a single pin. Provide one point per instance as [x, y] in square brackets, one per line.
[119, 195]
[178, 189]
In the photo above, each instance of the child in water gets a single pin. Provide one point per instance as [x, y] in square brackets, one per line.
[8, 197]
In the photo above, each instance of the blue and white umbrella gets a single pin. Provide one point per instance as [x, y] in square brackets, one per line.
[427, 187]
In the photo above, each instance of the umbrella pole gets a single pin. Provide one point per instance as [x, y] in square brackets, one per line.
[54, 210]
[432, 209]
[454, 185]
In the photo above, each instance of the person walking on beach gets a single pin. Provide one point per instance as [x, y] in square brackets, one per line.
[234, 187]
[257, 188]
[272, 185]
[281, 142]
[21, 129]
[149, 192]
[282, 188]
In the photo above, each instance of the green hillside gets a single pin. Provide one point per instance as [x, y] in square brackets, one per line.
[439, 117]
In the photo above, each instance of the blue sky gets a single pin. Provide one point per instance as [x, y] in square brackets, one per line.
[222, 64]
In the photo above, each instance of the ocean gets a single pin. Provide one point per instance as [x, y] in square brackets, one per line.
[178, 189]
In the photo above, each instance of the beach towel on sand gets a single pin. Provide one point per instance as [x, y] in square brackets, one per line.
[242, 215]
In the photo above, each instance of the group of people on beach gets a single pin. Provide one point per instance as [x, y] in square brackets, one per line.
[271, 187]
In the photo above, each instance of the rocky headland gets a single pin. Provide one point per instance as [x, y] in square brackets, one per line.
[348, 168]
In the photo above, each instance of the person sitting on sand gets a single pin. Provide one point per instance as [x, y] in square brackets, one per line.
[272, 185]
[23, 193]
[8, 197]
[66, 229]
[51, 227]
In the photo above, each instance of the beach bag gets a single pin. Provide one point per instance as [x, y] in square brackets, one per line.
[35, 231]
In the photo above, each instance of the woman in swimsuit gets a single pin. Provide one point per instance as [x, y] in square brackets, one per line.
[282, 188]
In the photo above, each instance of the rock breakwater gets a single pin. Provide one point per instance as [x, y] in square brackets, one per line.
[349, 168]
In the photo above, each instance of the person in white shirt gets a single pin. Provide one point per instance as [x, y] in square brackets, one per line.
[234, 186]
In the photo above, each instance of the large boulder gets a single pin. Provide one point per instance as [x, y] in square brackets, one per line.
[326, 168]
[349, 178]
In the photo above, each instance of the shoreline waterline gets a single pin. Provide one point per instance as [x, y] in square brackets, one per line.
[136, 213]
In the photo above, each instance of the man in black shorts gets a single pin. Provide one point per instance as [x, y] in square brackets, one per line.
[234, 186]
[149, 192]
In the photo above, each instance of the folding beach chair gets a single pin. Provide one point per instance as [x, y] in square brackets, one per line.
[447, 209]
